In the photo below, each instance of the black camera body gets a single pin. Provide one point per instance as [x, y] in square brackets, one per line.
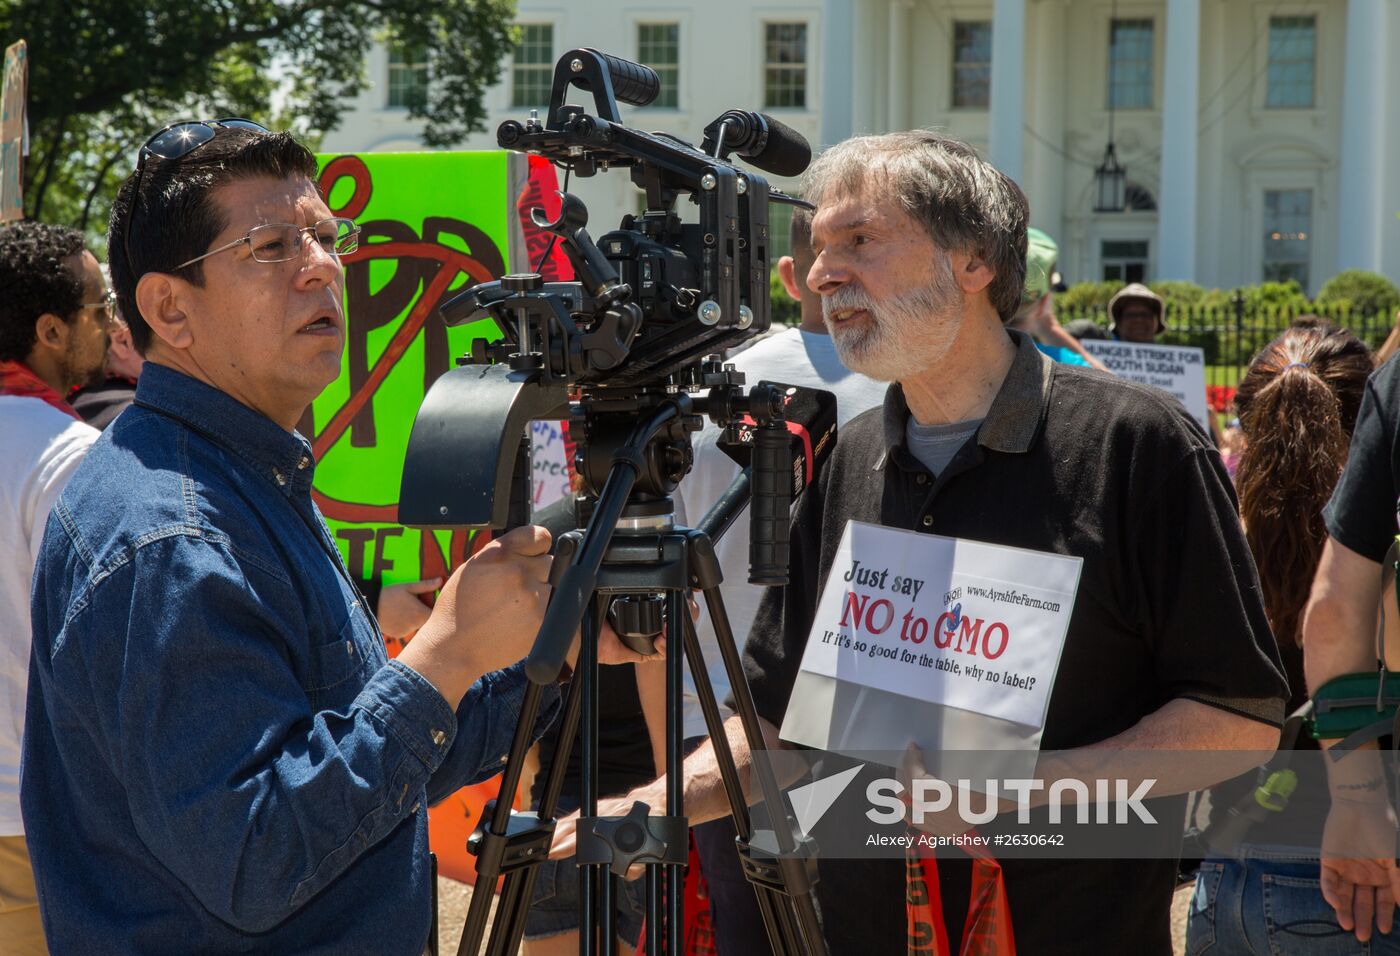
[652, 303]
[680, 291]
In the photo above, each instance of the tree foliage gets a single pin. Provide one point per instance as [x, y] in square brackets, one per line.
[105, 74]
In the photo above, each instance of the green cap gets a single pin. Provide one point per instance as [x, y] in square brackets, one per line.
[1041, 254]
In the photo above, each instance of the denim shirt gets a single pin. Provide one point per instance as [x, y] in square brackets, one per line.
[218, 755]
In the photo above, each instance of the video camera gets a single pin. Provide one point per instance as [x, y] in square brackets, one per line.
[652, 303]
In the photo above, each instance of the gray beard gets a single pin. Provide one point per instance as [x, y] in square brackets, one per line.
[905, 334]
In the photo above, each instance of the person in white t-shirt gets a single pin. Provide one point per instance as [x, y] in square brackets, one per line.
[54, 314]
[803, 355]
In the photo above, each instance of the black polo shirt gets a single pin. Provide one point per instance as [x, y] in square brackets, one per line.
[1361, 514]
[1070, 461]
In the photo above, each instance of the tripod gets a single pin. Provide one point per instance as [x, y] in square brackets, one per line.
[633, 566]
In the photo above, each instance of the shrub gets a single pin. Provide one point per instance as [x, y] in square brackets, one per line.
[1356, 290]
[1085, 298]
[782, 310]
[1182, 294]
[1275, 298]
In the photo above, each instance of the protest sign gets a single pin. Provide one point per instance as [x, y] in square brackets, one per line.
[432, 224]
[551, 463]
[917, 633]
[1179, 370]
[14, 89]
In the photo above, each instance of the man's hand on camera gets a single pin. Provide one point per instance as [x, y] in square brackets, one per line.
[401, 609]
[488, 613]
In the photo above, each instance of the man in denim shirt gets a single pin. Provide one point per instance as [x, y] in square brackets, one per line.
[218, 755]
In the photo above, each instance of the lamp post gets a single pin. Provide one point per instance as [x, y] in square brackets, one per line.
[1110, 178]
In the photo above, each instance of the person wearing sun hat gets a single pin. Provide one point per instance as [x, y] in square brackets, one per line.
[1135, 314]
[1036, 314]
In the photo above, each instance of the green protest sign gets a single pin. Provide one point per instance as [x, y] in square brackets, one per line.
[431, 223]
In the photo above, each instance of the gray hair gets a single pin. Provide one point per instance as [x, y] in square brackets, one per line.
[964, 203]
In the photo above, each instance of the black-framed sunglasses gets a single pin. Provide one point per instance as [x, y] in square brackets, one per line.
[172, 142]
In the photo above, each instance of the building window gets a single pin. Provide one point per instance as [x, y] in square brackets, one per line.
[1138, 198]
[972, 64]
[659, 47]
[785, 65]
[1124, 260]
[1130, 65]
[408, 76]
[532, 75]
[1287, 235]
[1292, 62]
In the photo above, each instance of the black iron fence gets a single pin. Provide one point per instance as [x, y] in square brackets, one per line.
[1231, 336]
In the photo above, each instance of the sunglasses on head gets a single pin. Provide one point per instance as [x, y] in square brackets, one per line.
[173, 142]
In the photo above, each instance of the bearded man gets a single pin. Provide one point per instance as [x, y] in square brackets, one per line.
[921, 251]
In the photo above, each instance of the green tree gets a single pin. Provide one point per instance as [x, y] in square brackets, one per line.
[104, 74]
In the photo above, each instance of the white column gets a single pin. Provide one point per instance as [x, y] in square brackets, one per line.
[1359, 212]
[1176, 203]
[1045, 105]
[1006, 137]
[899, 80]
[838, 77]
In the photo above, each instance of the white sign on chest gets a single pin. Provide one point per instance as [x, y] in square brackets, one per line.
[964, 624]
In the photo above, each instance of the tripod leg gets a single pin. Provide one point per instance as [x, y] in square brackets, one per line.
[654, 909]
[510, 919]
[479, 913]
[588, 876]
[729, 775]
[677, 622]
[706, 568]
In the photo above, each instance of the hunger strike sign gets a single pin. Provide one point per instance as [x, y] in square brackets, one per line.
[1179, 370]
[942, 621]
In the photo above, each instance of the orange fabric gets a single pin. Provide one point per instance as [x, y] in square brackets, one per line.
[987, 929]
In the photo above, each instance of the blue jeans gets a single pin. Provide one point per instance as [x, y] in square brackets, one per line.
[1269, 902]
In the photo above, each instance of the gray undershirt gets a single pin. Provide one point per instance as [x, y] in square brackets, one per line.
[935, 445]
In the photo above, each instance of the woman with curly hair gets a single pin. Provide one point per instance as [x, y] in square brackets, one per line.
[1297, 406]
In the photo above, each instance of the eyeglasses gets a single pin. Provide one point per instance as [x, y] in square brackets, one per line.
[108, 305]
[282, 241]
[173, 142]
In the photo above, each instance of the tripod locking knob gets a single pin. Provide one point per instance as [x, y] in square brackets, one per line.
[521, 282]
[637, 619]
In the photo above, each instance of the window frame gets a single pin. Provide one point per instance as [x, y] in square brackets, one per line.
[546, 68]
[1105, 260]
[1153, 69]
[393, 70]
[663, 20]
[1311, 238]
[1322, 35]
[956, 22]
[806, 67]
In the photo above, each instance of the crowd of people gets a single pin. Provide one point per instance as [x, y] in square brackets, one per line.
[206, 748]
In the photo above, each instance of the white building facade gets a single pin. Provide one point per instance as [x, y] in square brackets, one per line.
[1260, 138]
